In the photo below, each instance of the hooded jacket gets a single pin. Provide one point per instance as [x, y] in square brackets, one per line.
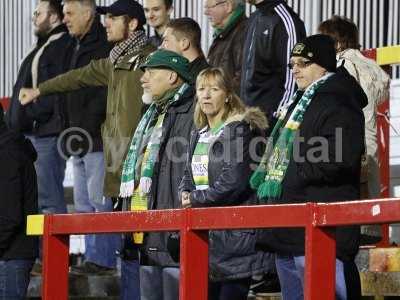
[18, 197]
[327, 169]
[272, 31]
[232, 253]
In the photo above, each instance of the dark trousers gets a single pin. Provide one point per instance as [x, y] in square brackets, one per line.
[353, 281]
[229, 290]
[14, 278]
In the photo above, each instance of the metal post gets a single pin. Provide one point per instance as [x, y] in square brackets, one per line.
[320, 261]
[193, 263]
[383, 141]
[55, 263]
[383, 136]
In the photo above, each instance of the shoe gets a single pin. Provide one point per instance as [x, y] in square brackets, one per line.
[36, 269]
[267, 285]
[89, 268]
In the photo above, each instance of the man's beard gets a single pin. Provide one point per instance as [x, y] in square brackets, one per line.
[147, 98]
[43, 29]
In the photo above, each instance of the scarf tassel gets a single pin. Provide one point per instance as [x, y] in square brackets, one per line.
[126, 189]
[269, 189]
[257, 179]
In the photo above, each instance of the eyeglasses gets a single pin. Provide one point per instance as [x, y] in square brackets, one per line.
[301, 64]
[214, 6]
[36, 13]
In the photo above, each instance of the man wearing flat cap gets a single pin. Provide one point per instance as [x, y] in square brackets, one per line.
[155, 164]
[316, 156]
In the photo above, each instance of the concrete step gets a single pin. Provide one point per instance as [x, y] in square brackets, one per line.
[81, 298]
[380, 283]
[374, 284]
[82, 287]
[384, 259]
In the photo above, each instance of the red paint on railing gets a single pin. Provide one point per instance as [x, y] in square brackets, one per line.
[194, 224]
[5, 102]
[383, 137]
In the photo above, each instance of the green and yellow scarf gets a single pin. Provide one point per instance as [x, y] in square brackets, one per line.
[268, 177]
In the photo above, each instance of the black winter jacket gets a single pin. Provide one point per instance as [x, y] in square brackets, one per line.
[335, 114]
[47, 116]
[232, 252]
[272, 31]
[196, 66]
[18, 195]
[168, 172]
[156, 40]
[87, 106]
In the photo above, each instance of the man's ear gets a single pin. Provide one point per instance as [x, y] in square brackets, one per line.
[54, 19]
[184, 44]
[87, 14]
[170, 10]
[132, 25]
[230, 6]
[173, 77]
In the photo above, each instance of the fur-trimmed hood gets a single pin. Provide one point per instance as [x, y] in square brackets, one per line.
[253, 116]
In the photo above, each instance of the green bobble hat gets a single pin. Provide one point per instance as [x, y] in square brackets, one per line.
[165, 59]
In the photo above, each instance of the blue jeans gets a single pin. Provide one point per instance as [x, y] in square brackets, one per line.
[159, 283]
[14, 278]
[50, 169]
[88, 198]
[291, 276]
[130, 286]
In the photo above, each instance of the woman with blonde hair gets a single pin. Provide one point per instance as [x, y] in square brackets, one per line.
[217, 173]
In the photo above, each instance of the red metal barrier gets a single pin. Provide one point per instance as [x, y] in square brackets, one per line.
[5, 102]
[194, 224]
[383, 148]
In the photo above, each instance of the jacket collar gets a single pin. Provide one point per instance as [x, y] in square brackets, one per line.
[230, 28]
[95, 32]
[56, 30]
[266, 4]
[185, 102]
[135, 58]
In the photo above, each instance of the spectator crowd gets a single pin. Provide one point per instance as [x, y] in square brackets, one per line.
[268, 116]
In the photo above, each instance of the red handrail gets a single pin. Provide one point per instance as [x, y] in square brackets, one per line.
[383, 137]
[194, 224]
[5, 102]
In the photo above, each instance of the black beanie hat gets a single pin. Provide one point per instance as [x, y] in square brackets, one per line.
[319, 49]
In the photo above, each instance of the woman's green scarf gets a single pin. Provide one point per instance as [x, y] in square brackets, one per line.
[268, 177]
